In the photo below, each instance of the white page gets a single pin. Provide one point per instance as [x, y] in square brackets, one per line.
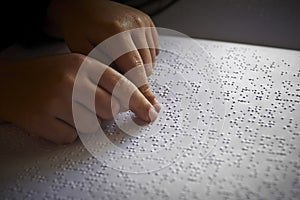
[255, 155]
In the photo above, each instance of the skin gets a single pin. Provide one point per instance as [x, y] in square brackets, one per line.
[37, 93]
[98, 20]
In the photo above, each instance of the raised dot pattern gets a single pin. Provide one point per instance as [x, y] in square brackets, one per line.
[256, 154]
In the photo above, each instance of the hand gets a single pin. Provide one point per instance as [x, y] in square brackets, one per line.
[85, 23]
[37, 95]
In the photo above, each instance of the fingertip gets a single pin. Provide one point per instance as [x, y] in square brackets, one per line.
[143, 108]
[152, 114]
[147, 92]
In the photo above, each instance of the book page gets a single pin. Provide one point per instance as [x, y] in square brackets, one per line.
[228, 129]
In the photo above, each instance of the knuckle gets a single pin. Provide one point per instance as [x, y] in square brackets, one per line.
[65, 77]
[134, 59]
[116, 26]
[70, 67]
[139, 21]
[76, 59]
[137, 62]
[129, 22]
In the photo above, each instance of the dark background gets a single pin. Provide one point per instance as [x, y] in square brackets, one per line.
[262, 22]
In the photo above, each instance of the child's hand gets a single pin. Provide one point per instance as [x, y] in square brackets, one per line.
[85, 23]
[37, 95]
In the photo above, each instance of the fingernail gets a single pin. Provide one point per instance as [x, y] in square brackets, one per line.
[152, 114]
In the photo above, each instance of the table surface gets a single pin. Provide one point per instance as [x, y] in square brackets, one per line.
[255, 156]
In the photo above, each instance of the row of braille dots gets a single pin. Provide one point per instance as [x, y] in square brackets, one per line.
[170, 112]
[270, 111]
[162, 94]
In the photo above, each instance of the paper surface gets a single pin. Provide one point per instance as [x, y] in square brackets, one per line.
[254, 155]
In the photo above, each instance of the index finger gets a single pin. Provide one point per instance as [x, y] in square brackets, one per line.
[128, 94]
[122, 51]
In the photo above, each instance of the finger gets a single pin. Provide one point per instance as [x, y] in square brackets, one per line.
[136, 73]
[132, 60]
[87, 91]
[147, 60]
[131, 57]
[106, 105]
[58, 131]
[94, 98]
[155, 38]
[109, 79]
[140, 42]
[151, 47]
[127, 94]
[85, 120]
